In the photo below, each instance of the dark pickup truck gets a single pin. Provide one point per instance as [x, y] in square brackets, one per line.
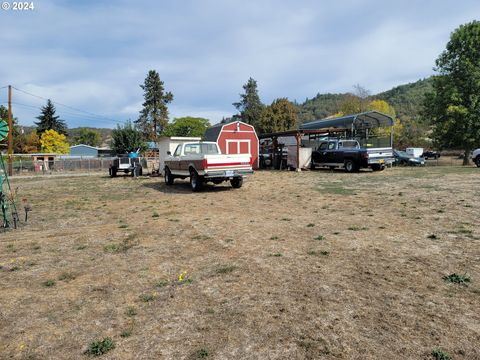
[349, 155]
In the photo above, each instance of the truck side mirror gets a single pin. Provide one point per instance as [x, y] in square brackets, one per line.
[169, 153]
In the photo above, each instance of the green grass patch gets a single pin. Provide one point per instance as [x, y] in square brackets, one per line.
[126, 333]
[100, 347]
[131, 311]
[49, 283]
[123, 246]
[201, 354]
[438, 354]
[147, 297]
[457, 279]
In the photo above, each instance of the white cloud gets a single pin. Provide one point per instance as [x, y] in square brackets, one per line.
[93, 54]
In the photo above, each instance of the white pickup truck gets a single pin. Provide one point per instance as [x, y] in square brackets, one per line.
[203, 162]
[476, 157]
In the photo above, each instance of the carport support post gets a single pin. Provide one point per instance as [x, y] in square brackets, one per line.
[298, 137]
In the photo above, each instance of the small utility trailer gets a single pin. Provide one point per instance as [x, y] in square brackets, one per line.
[128, 164]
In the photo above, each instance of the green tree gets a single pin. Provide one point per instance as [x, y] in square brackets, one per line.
[126, 139]
[187, 126]
[154, 115]
[281, 115]
[48, 120]
[53, 142]
[250, 106]
[88, 137]
[453, 106]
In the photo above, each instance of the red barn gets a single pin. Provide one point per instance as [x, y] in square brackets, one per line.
[235, 138]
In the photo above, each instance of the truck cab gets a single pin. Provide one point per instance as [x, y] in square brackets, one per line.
[348, 154]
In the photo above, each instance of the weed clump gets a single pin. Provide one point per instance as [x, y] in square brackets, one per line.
[49, 283]
[100, 347]
[457, 279]
[440, 355]
[131, 311]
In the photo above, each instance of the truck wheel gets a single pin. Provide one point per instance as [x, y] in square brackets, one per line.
[168, 177]
[237, 182]
[350, 166]
[196, 181]
[477, 161]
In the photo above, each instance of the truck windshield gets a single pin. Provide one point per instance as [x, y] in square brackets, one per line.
[202, 149]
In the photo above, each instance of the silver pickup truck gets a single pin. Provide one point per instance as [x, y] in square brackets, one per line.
[203, 162]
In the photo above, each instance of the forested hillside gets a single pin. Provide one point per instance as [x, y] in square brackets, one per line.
[406, 99]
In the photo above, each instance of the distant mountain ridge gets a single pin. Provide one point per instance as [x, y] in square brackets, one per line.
[407, 100]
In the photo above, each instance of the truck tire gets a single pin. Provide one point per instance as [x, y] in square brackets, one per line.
[378, 167]
[196, 181]
[168, 177]
[477, 161]
[350, 166]
[237, 182]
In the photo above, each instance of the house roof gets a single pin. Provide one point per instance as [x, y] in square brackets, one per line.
[369, 119]
[88, 146]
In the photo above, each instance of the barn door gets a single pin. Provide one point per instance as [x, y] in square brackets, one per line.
[232, 147]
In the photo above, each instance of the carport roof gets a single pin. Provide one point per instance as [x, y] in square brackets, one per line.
[369, 119]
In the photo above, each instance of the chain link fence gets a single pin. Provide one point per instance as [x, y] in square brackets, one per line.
[29, 167]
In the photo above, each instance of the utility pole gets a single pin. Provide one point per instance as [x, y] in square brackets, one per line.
[10, 132]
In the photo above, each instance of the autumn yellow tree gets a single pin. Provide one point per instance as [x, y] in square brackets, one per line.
[53, 142]
[385, 108]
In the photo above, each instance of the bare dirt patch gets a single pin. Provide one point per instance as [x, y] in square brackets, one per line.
[291, 266]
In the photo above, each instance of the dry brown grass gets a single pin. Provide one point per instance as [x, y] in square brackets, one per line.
[363, 282]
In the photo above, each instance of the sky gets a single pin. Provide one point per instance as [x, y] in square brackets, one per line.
[92, 55]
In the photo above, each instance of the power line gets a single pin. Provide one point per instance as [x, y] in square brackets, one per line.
[71, 107]
[69, 114]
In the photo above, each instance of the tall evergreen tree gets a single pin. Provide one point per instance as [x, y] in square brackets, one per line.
[454, 105]
[250, 106]
[48, 120]
[154, 115]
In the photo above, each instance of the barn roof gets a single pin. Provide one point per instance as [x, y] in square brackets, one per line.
[369, 119]
[213, 132]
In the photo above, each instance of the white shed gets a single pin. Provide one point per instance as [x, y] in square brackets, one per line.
[169, 144]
